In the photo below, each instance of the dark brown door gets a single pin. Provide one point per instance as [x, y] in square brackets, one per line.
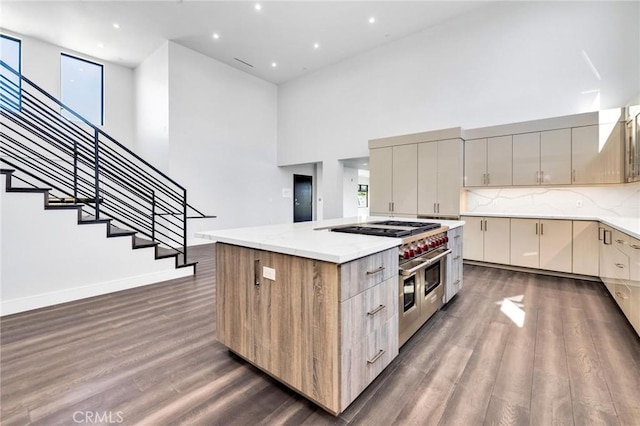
[302, 198]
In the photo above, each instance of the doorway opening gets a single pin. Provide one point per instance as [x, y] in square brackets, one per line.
[302, 198]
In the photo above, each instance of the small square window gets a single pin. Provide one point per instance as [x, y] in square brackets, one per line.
[81, 84]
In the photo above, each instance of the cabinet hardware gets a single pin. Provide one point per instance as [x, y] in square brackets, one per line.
[457, 257]
[541, 176]
[607, 233]
[536, 229]
[485, 226]
[256, 272]
[481, 225]
[620, 265]
[438, 207]
[458, 236]
[390, 206]
[621, 296]
[375, 271]
[573, 175]
[600, 233]
[621, 242]
[634, 246]
[377, 357]
[376, 310]
[542, 229]
[484, 178]
[393, 206]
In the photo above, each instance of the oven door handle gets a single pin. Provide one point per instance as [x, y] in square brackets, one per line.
[427, 262]
[438, 257]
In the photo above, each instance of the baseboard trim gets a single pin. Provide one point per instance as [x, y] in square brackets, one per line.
[23, 304]
[533, 270]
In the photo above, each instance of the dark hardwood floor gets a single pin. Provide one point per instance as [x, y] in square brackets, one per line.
[149, 356]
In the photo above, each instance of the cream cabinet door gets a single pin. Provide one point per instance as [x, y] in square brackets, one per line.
[427, 178]
[473, 238]
[524, 242]
[556, 245]
[596, 154]
[380, 180]
[405, 179]
[475, 162]
[526, 159]
[555, 157]
[586, 248]
[449, 178]
[497, 236]
[500, 161]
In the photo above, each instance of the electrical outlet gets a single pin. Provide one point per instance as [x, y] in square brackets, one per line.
[269, 273]
[579, 203]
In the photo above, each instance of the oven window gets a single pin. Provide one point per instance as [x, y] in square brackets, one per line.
[431, 278]
[409, 291]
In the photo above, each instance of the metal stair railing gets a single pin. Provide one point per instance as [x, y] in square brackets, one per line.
[81, 162]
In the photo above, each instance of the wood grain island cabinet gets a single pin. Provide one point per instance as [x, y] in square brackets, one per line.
[324, 329]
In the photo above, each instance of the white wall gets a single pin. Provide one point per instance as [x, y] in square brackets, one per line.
[222, 143]
[41, 64]
[512, 62]
[350, 192]
[151, 79]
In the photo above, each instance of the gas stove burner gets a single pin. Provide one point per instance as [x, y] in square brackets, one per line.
[423, 226]
[378, 232]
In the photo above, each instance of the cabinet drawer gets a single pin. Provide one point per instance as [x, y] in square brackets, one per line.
[360, 274]
[622, 295]
[620, 264]
[368, 311]
[363, 362]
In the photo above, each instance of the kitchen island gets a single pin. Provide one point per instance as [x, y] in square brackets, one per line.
[318, 310]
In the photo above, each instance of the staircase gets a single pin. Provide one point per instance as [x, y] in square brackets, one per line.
[79, 169]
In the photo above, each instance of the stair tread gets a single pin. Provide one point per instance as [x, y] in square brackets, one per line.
[114, 231]
[139, 242]
[162, 252]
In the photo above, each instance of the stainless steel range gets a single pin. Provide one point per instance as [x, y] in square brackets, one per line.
[422, 256]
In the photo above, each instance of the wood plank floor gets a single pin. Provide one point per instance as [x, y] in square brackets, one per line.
[149, 356]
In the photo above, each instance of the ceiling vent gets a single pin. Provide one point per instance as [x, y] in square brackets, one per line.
[246, 63]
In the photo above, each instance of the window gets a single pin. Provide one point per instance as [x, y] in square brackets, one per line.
[81, 89]
[10, 82]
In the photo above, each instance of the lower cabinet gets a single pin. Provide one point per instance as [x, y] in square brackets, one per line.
[620, 271]
[543, 244]
[487, 239]
[326, 330]
[585, 259]
[454, 266]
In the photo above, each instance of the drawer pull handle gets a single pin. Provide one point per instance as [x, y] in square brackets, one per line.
[376, 310]
[635, 246]
[621, 242]
[457, 282]
[457, 257]
[377, 357]
[458, 236]
[620, 265]
[375, 271]
[621, 296]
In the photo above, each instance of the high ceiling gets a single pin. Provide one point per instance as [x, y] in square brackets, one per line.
[280, 33]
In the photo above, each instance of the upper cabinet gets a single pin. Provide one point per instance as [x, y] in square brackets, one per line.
[579, 149]
[393, 180]
[542, 158]
[439, 177]
[416, 174]
[488, 161]
[597, 153]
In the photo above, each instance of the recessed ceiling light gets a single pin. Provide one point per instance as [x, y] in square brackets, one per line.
[216, 36]
[273, 64]
[316, 45]
[258, 6]
[116, 25]
[372, 20]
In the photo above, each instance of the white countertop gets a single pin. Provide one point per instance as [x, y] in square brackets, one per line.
[628, 225]
[305, 239]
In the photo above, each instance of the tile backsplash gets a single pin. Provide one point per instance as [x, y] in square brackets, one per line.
[598, 201]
